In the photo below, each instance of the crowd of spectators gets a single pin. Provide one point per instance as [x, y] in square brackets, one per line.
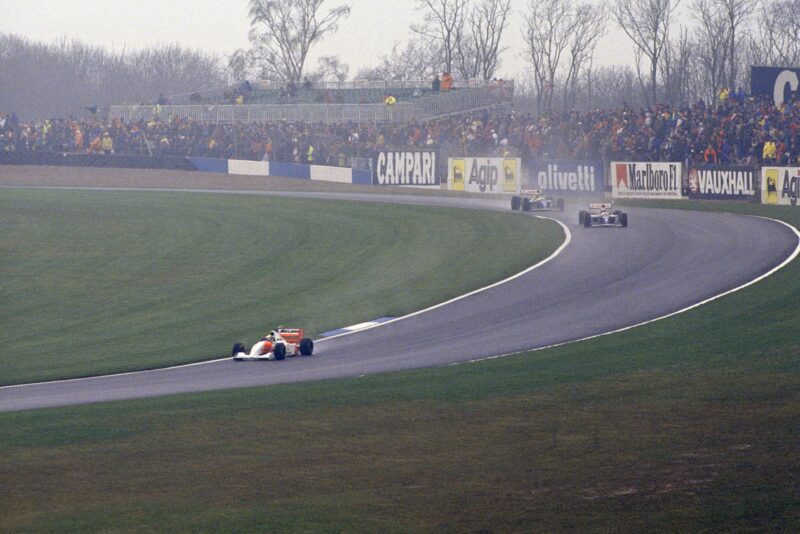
[735, 129]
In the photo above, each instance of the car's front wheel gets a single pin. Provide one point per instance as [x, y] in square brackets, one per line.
[237, 348]
[279, 351]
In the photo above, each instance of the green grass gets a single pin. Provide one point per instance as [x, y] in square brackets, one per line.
[687, 424]
[98, 282]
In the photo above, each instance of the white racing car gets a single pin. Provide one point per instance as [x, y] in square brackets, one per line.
[276, 346]
[534, 200]
[602, 214]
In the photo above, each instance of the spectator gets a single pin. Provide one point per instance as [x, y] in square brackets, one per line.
[447, 82]
[107, 144]
[710, 155]
[436, 84]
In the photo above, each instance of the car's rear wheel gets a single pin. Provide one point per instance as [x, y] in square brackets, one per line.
[560, 204]
[237, 348]
[623, 219]
[581, 216]
[306, 347]
[516, 202]
[587, 220]
[279, 351]
[526, 204]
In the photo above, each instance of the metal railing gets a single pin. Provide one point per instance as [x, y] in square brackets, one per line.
[435, 105]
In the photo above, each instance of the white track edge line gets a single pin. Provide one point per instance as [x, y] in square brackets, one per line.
[548, 259]
[552, 256]
[774, 270]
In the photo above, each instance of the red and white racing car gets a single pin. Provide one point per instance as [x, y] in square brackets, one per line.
[276, 346]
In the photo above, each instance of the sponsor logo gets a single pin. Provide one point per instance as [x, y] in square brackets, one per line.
[647, 180]
[721, 182]
[406, 168]
[510, 175]
[459, 170]
[791, 188]
[484, 176]
[781, 185]
[581, 179]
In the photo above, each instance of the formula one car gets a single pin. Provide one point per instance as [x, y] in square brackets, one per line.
[534, 200]
[602, 214]
[276, 346]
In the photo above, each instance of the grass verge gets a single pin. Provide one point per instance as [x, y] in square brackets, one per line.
[687, 424]
[96, 282]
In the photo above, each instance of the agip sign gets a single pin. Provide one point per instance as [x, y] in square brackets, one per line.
[484, 175]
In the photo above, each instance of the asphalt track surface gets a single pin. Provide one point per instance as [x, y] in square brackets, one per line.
[603, 280]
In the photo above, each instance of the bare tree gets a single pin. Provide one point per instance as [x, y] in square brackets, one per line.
[711, 43]
[283, 31]
[419, 59]
[443, 23]
[330, 68]
[646, 23]
[60, 79]
[587, 29]
[546, 32]
[676, 67]
[736, 14]
[778, 39]
[478, 51]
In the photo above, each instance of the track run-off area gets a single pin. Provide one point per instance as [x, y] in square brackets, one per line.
[601, 280]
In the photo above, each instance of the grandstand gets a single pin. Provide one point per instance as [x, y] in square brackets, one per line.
[328, 102]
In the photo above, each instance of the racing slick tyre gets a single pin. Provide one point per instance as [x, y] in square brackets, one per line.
[617, 212]
[279, 351]
[581, 217]
[306, 347]
[560, 204]
[516, 202]
[587, 220]
[526, 204]
[237, 348]
[623, 219]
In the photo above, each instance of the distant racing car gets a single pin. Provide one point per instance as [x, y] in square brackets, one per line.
[276, 346]
[602, 214]
[534, 200]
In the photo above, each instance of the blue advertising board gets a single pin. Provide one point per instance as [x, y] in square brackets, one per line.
[776, 82]
[577, 178]
[720, 182]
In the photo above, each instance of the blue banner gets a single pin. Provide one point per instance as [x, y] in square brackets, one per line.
[577, 178]
[779, 83]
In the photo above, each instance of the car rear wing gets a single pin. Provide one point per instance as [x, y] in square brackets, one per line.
[530, 192]
[292, 335]
[600, 205]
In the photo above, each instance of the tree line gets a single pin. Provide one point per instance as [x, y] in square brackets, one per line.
[679, 55]
[70, 78]
[709, 47]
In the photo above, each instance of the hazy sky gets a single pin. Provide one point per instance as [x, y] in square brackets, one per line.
[221, 26]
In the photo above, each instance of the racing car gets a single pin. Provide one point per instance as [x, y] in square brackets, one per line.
[602, 214]
[534, 200]
[276, 346]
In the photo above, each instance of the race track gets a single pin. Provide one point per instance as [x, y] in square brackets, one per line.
[603, 280]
